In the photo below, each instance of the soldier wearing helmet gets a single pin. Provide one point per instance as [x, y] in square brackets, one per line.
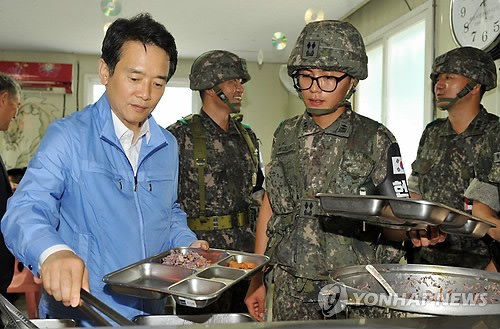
[220, 176]
[327, 149]
[456, 154]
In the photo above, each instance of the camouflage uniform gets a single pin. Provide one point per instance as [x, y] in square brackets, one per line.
[228, 180]
[310, 245]
[231, 176]
[306, 159]
[447, 162]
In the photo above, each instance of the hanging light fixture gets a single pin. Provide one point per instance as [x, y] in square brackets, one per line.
[111, 7]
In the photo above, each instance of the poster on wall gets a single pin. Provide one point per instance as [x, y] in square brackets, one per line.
[19, 143]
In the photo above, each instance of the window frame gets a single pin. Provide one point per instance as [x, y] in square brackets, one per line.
[426, 12]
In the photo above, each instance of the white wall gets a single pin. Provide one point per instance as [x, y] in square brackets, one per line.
[265, 102]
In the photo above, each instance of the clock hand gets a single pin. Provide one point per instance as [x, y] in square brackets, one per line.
[485, 12]
[479, 7]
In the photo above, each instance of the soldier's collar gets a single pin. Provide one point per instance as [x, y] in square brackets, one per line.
[342, 127]
[476, 126]
[212, 127]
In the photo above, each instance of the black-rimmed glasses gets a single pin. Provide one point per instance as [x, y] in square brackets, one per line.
[326, 83]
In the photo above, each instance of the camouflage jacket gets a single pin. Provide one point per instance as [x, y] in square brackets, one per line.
[446, 165]
[307, 160]
[228, 177]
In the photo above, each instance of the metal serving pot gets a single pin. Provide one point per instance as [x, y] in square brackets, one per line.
[423, 289]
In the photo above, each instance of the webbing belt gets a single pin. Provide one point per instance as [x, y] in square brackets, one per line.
[210, 223]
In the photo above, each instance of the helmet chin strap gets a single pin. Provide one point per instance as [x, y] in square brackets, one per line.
[451, 101]
[343, 102]
[234, 107]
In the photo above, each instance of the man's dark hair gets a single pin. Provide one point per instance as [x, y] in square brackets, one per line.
[16, 174]
[142, 28]
[10, 85]
[482, 91]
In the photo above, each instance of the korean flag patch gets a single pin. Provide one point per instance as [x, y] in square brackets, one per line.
[397, 166]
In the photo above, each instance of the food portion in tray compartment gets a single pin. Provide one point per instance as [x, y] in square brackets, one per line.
[242, 265]
[243, 261]
[190, 259]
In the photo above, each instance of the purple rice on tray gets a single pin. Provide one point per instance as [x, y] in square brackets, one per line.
[191, 259]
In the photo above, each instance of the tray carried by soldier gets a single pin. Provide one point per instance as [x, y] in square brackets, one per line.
[194, 277]
[402, 213]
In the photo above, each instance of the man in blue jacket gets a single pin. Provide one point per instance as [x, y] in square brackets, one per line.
[100, 192]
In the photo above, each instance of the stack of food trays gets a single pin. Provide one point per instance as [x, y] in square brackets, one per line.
[402, 213]
[195, 287]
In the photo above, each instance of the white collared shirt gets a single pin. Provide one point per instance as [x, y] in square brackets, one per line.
[126, 136]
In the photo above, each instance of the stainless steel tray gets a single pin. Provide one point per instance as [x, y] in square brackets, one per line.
[175, 320]
[406, 214]
[411, 281]
[475, 227]
[54, 323]
[198, 288]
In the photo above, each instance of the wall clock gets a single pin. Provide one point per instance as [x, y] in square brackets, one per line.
[476, 23]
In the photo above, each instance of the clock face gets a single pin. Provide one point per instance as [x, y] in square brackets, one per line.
[476, 23]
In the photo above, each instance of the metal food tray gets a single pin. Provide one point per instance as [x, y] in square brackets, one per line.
[403, 213]
[475, 227]
[54, 323]
[198, 288]
[410, 281]
[176, 320]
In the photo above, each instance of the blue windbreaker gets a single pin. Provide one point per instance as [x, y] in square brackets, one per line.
[80, 190]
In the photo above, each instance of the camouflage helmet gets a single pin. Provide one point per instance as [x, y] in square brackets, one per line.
[216, 66]
[472, 63]
[330, 45]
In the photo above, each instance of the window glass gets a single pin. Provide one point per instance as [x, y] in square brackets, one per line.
[395, 91]
[177, 101]
[405, 89]
[369, 94]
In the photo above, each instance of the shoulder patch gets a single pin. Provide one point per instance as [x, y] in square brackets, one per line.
[247, 126]
[436, 121]
[185, 120]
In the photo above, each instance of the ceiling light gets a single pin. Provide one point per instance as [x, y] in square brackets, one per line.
[111, 7]
[279, 40]
[260, 57]
[314, 15]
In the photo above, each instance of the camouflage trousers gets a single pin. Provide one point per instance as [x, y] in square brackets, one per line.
[289, 304]
[240, 238]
